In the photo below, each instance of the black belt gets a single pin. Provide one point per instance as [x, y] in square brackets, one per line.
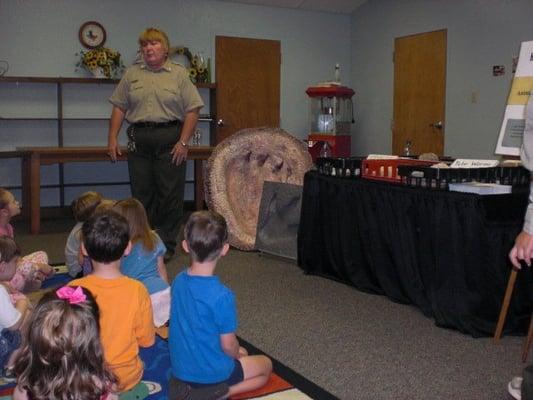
[148, 124]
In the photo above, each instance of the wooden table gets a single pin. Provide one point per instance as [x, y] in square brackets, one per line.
[34, 157]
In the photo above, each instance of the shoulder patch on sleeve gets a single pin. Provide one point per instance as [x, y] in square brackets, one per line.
[177, 64]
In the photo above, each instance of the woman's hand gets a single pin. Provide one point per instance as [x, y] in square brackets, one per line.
[115, 123]
[113, 150]
[522, 250]
[179, 153]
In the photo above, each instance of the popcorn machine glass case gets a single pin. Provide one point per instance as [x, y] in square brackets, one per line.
[331, 110]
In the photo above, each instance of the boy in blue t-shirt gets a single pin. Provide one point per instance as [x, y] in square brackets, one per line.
[204, 349]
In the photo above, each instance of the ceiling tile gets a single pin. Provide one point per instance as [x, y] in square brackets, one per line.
[270, 3]
[334, 6]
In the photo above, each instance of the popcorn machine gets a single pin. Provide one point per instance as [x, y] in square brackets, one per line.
[331, 116]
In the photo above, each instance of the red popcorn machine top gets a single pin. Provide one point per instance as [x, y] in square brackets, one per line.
[331, 116]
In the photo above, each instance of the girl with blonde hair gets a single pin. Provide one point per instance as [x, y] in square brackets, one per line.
[33, 268]
[145, 261]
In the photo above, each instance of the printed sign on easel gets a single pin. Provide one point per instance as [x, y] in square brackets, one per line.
[512, 130]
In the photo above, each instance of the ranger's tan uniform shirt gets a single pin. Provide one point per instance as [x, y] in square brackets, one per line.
[163, 95]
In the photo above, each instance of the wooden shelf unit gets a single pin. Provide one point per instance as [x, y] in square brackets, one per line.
[59, 117]
[60, 82]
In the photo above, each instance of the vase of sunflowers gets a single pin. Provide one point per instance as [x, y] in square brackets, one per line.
[199, 69]
[102, 62]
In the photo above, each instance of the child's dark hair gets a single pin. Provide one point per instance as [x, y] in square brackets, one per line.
[8, 248]
[105, 236]
[206, 232]
[83, 206]
[62, 357]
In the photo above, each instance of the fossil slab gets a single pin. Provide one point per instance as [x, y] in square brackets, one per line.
[236, 170]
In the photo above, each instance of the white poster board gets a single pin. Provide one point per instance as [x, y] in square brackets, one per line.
[512, 130]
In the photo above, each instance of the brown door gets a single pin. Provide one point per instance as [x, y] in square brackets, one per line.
[248, 84]
[419, 93]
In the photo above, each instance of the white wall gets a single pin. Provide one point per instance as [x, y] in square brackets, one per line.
[40, 38]
[481, 33]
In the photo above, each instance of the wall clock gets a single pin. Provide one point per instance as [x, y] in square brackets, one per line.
[92, 34]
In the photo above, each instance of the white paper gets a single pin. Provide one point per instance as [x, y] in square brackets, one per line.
[480, 188]
[470, 163]
[512, 129]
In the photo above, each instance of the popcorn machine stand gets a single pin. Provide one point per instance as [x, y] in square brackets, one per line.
[331, 116]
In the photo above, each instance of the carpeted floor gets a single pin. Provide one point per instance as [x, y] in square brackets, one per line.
[354, 345]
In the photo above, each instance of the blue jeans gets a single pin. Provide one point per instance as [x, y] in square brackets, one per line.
[9, 342]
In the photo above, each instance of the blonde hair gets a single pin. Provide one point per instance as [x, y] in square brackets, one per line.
[134, 212]
[4, 197]
[83, 207]
[105, 204]
[154, 34]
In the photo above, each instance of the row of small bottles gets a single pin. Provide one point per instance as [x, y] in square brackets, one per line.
[340, 167]
[325, 151]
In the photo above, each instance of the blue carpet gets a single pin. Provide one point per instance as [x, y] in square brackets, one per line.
[157, 366]
[56, 281]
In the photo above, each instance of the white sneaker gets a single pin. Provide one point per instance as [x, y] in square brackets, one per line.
[514, 387]
[153, 387]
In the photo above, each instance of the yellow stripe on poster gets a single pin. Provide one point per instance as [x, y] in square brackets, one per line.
[512, 129]
[520, 91]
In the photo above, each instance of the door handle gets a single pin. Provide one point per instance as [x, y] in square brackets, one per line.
[220, 123]
[437, 125]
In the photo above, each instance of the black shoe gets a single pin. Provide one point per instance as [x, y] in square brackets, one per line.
[179, 390]
[168, 256]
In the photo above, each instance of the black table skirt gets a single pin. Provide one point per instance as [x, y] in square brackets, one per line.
[445, 252]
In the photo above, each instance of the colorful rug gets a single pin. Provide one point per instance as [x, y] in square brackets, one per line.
[284, 384]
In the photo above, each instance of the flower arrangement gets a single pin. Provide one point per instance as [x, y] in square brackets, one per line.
[101, 61]
[199, 69]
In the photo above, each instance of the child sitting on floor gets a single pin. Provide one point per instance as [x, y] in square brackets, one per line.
[204, 349]
[82, 208]
[33, 268]
[126, 320]
[145, 261]
[14, 307]
[62, 357]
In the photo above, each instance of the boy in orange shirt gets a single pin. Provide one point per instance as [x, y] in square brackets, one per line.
[126, 320]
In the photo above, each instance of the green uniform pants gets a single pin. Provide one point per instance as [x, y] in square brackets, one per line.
[156, 181]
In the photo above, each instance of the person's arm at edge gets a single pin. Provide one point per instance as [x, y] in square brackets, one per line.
[523, 246]
[115, 123]
[23, 307]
